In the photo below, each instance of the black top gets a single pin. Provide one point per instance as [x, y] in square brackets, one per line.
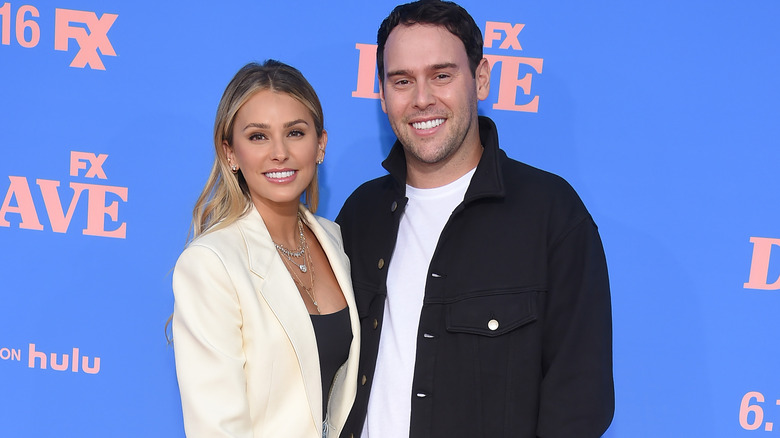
[334, 336]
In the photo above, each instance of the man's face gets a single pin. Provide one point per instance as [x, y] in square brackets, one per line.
[429, 93]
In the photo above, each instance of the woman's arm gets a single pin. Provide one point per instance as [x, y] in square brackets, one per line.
[208, 347]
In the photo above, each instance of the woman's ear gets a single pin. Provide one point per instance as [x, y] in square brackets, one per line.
[321, 144]
[231, 161]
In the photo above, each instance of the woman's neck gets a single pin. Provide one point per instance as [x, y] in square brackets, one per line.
[281, 222]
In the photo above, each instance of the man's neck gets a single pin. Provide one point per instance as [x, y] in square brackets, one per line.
[427, 176]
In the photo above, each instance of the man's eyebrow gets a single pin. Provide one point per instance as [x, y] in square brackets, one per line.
[441, 66]
[398, 73]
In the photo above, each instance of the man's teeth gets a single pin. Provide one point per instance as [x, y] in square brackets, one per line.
[280, 175]
[428, 124]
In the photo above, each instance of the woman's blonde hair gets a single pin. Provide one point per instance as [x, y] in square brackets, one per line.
[225, 198]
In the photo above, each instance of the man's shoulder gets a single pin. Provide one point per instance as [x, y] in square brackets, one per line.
[541, 190]
[518, 174]
[367, 199]
[372, 191]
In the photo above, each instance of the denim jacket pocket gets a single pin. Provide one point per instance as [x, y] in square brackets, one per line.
[492, 315]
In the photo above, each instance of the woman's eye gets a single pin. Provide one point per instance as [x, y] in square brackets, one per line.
[295, 133]
[257, 136]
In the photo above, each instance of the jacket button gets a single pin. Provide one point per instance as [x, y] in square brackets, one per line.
[428, 336]
[375, 323]
[493, 324]
[394, 206]
[421, 395]
[381, 263]
[363, 380]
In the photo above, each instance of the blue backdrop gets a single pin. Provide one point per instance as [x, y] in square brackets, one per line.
[664, 116]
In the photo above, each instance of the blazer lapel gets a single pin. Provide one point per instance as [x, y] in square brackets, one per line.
[339, 262]
[281, 294]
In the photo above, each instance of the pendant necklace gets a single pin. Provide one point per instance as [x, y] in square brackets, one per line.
[299, 252]
[307, 265]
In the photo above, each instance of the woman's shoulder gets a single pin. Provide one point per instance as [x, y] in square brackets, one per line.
[331, 229]
[212, 253]
[327, 224]
[218, 240]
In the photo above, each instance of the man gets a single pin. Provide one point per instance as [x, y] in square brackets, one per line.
[480, 281]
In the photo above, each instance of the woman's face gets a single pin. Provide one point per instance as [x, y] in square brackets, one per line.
[276, 147]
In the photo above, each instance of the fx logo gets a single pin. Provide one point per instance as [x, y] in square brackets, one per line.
[89, 31]
[77, 161]
[512, 31]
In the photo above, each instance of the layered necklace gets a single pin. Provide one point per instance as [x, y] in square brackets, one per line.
[300, 259]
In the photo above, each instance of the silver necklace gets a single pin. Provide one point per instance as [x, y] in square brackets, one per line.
[300, 252]
[309, 290]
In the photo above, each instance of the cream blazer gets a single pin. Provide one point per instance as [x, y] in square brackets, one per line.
[246, 353]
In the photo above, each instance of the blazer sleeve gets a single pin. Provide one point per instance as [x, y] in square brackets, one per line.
[207, 343]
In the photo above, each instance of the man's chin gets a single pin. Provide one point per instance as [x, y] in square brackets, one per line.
[426, 154]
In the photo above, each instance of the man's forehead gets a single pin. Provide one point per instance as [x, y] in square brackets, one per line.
[424, 46]
[419, 31]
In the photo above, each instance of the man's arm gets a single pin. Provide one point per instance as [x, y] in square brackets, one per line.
[577, 391]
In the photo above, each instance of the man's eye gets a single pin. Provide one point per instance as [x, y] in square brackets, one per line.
[402, 82]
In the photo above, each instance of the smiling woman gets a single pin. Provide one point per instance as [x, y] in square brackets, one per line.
[277, 147]
[265, 328]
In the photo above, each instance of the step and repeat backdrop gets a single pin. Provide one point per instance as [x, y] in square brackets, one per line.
[663, 115]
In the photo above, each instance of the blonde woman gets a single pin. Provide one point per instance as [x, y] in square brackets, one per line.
[265, 328]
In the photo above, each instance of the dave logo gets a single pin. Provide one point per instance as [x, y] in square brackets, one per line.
[759, 265]
[89, 32]
[515, 73]
[100, 201]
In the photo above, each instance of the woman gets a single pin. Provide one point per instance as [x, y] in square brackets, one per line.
[265, 329]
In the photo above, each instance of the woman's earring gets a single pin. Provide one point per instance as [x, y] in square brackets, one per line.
[234, 168]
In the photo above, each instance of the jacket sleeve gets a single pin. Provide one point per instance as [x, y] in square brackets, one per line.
[577, 390]
[208, 347]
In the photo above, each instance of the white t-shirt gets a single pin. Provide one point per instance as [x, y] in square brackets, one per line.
[426, 213]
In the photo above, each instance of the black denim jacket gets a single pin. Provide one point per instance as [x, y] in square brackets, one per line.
[515, 334]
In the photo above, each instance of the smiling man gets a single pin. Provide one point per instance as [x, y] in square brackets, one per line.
[481, 282]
